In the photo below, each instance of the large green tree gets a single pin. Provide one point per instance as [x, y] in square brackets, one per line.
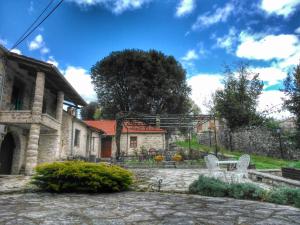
[292, 103]
[238, 100]
[136, 81]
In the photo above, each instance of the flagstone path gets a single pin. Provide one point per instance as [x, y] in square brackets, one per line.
[139, 208]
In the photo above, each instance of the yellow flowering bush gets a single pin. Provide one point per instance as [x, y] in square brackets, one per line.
[158, 158]
[177, 157]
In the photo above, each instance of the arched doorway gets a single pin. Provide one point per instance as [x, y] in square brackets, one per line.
[6, 154]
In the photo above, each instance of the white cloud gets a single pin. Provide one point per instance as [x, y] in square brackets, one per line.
[36, 43]
[297, 31]
[17, 51]
[279, 7]
[203, 86]
[52, 61]
[271, 102]
[81, 81]
[185, 7]
[268, 47]
[210, 18]
[116, 6]
[45, 50]
[227, 41]
[272, 75]
[190, 55]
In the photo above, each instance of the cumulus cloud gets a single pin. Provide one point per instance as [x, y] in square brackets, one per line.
[81, 81]
[279, 7]
[185, 7]
[210, 18]
[116, 6]
[228, 41]
[270, 104]
[268, 47]
[38, 44]
[203, 86]
[190, 55]
[17, 51]
[272, 75]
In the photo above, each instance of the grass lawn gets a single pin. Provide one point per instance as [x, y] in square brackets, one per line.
[261, 162]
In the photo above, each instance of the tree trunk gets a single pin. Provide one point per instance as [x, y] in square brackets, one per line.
[119, 127]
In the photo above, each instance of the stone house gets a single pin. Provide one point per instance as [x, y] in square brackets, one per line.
[32, 122]
[133, 137]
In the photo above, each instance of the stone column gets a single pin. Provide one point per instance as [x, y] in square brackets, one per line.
[34, 133]
[59, 115]
[59, 106]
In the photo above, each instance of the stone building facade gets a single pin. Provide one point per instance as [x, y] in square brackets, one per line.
[32, 95]
[133, 138]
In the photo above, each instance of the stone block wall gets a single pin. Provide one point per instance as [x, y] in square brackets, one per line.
[257, 140]
[147, 140]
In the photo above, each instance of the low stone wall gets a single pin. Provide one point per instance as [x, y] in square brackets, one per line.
[257, 140]
[273, 180]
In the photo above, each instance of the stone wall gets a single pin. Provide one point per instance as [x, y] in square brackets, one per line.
[258, 140]
[146, 140]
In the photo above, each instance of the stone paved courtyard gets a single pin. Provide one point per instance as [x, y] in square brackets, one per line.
[139, 208]
[173, 180]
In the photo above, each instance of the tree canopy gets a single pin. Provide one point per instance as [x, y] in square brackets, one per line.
[237, 101]
[140, 81]
[292, 103]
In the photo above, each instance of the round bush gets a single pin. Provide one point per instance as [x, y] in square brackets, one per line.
[78, 176]
[246, 191]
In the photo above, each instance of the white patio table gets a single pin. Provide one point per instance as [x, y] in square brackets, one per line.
[230, 163]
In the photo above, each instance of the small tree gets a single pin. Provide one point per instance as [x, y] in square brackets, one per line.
[238, 100]
[292, 90]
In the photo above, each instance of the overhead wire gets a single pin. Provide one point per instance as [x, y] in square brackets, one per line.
[35, 27]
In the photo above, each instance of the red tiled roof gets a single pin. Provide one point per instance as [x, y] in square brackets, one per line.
[109, 127]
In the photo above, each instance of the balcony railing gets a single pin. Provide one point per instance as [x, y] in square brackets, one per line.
[25, 117]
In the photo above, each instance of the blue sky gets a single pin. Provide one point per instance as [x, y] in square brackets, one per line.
[202, 34]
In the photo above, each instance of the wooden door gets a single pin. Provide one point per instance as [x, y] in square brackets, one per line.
[106, 147]
[6, 154]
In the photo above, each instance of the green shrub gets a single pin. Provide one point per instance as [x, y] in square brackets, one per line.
[285, 196]
[209, 187]
[246, 191]
[78, 176]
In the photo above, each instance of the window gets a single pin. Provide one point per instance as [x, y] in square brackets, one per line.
[77, 137]
[17, 95]
[133, 142]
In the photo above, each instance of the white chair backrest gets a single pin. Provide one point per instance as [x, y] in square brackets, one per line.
[211, 162]
[243, 163]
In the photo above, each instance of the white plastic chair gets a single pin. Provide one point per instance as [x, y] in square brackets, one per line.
[242, 168]
[213, 167]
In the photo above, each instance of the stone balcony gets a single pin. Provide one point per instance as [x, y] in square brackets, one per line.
[24, 117]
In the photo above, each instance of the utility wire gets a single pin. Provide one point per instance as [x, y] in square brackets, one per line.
[17, 42]
[34, 28]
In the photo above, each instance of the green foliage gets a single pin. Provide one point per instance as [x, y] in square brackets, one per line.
[272, 123]
[97, 114]
[285, 196]
[140, 81]
[209, 187]
[237, 102]
[87, 112]
[246, 191]
[292, 103]
[78, 176]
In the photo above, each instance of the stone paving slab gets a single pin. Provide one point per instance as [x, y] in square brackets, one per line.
[173, 180]
[15, 183]
[139, 208]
